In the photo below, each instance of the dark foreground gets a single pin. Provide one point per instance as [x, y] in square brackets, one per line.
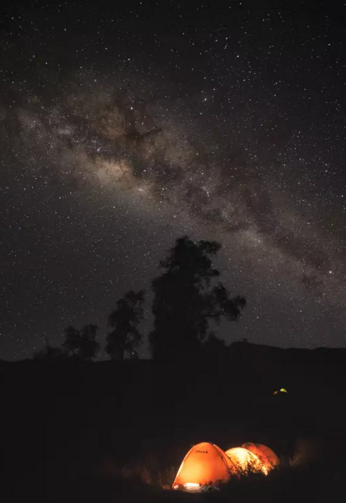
[105, 432]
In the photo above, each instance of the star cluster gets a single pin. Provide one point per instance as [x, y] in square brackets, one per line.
[123, 129]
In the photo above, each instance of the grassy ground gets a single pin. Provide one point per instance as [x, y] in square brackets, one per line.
[102, 433]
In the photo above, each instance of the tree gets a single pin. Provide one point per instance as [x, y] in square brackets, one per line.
[185, 301]
[214, 345]
[72, 341]
[125, 336]
[50, 353]
[81, 344]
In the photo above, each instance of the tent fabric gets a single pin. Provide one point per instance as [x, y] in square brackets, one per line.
[264, 453]
[204, 464]
[245, 461]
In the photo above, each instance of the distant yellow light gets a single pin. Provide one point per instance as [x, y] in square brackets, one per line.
[281, 390]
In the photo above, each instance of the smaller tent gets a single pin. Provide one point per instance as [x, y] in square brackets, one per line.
[205, 464]
[245, 461]
[264, 453]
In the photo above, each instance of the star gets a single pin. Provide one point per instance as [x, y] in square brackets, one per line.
[115, 144]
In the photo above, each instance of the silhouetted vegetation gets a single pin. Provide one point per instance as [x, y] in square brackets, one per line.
[188, 306]
[50, 353]
[125, 336]
[186, 303]
[81, 344]
[214, 345]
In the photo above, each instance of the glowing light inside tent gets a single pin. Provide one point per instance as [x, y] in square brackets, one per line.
[191, 486]
[204, 464]
[264, 454]
[207, 465]
[246, 461]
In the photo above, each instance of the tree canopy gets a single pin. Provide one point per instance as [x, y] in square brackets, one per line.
[187, 301]
[81, 344]
[125, 336]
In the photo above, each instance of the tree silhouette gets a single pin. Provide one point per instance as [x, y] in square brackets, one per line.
[50, 353]
[81, 344]
[124, 320]
[185, 302]
[214, 345]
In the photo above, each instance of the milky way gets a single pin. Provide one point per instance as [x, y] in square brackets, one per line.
[243, 154]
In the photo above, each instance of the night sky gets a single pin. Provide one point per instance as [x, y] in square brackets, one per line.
[123, 128]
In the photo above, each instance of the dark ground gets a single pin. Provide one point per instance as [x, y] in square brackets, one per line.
[95, 432]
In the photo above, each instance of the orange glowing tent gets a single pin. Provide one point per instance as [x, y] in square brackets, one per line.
[264, 453]
[205, 464]
[245, 461]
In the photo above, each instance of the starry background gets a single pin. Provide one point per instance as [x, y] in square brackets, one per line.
[125, 127]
